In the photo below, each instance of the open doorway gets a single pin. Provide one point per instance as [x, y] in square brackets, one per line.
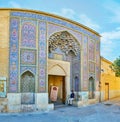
[59, 82]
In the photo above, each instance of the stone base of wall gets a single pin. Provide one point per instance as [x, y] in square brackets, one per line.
[92, 101]
[78, 103]
[84, 101]
[41, 103]
[112, 94]
[14, 102]
[102, 97]
[3, 104]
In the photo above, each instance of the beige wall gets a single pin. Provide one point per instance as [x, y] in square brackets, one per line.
[4, 43]
[108, 76]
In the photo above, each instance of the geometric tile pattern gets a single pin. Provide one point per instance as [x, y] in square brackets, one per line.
[28, 33]
[91, 50]
[55, 20]
[27, 82]
[85, 63]
[14, 57]
[32, 69]
[28, 57]
[42, 56]
[97, 62]
[92, 67]
[29, 28]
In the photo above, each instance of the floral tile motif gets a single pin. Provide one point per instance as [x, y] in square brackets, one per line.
[28, 33]
[42, 56]
[28, 57]
[91, 50]
[92, 67]
[28, 68]
[54, 20]
[14, 60]
[85, 63]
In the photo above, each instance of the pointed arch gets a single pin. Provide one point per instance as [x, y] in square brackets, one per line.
[65, 41]
[57, 70]
[27, 70]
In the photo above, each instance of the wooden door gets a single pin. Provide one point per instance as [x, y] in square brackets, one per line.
[58, 81]
[106, 91]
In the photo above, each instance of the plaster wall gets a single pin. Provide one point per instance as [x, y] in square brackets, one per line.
[108, 76]
[4, 43]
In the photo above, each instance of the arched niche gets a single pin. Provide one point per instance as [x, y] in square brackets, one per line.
[76, 83]
[91, 88]
[27, 82]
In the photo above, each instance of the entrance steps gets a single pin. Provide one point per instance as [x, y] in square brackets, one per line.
[60, 106]
[3, 105]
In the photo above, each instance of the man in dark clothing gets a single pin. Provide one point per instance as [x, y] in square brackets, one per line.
[72, 95]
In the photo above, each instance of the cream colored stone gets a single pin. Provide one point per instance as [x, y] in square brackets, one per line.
[14, 108]
[14, 98]
[92, 101]
[50, 107]
[78, 103]
[41, 100]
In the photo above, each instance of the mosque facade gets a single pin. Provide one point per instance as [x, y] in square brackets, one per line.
[43, 57]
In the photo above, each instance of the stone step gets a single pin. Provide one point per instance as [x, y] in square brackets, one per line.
[60, 106]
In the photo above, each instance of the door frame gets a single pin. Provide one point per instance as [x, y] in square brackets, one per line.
[60, 68]
[63, 85]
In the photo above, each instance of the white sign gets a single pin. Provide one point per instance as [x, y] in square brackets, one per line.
[54, 93]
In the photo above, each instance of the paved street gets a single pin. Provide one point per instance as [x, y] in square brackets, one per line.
[102, 112]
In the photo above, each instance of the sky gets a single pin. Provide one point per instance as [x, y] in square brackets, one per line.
[103, 16]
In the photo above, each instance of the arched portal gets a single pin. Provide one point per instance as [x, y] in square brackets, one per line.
[91, 88]
[56, 78]
[63, 49]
